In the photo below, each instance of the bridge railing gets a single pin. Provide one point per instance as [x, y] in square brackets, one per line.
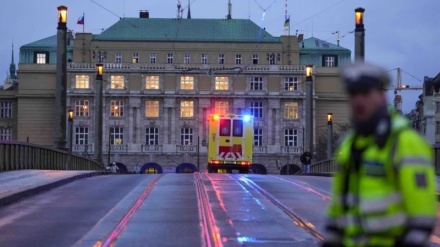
[325, 166]
[18, 155]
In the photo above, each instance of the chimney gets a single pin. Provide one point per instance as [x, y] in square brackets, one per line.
[144, 14]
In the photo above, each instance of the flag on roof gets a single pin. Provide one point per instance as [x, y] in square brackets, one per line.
[287, 22]
[80, 20]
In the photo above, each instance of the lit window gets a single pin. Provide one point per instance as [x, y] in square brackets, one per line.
[136, 58]
[204, 58]
[170, 58]
[82, 108]
[329, 61]
[152, 82]
[186, 58]
[5, 134]
[237, 58]
[116, 135]
[291, 84]
[117, 82]
[291, 137]
[221, 107]
[41, 57]
[117, 108]
[153, 58]
[152, 136]
[152, 109]
[82, 81]
[187, 82]
[257, 109]
[256, 83]
[6, 109]
[186, 136]
[291, 110]
[186, 109]
[221, 58]
[255, 59]
[221, 83]
[118, 57]
[258, 137]
[81, 136]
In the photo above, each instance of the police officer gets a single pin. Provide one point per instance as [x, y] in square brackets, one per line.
[384, 192]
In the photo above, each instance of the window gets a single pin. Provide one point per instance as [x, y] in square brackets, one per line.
[187, 82]
[136, 58]
[81, 81]
[118, 57]
[152, 57]
[221, 107]
[258, 137]
[117, 108]
[255, 59]
[102, 55]
[186, 136]
[221, 83]
[437, 107]
[291, 110]
[204, 58]
[225, 127]
[291, 137]
[256, 83]
[116, 135]
[291, 84]
[170, 58]
[152, 82]
[257, 109]
[152, 108]
[6, 109]
[186, 58]
[237, 58]
[41, 57]
[117, 82]
[237, 128]
[186, 109]
[81, 136]
[5, 134]
[152, 136]
[329, 61]
[82, 108]
[437, 127]
[221, 58]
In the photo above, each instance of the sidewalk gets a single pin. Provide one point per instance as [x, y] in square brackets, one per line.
[15, 185]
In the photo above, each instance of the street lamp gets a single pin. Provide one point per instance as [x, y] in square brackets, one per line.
[70, 115]
[98, 113]
[61, 80]
[309, 108]
[329, 135]
[359, 39]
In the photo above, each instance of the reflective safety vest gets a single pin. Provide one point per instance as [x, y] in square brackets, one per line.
[388, 194]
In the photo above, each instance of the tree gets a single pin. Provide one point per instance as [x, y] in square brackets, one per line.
[339, 131]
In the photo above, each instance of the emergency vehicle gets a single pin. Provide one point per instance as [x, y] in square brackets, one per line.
[230, 143]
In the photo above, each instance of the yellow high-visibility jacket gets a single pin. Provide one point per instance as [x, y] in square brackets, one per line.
[388, 198]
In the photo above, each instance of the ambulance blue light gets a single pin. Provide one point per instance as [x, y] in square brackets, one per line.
[246, 118]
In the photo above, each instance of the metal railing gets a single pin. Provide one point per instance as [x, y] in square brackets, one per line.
[326, 166]
[18, 155]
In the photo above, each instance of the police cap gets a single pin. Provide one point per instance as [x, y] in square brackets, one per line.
[363, 77]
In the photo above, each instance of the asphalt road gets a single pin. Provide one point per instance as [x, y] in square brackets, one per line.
[172, 210]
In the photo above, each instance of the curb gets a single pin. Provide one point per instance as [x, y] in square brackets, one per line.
[39, 189]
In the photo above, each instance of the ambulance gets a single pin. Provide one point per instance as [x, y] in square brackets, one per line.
[230, 143]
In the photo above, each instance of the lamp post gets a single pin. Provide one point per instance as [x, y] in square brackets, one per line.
[70, 114]
[309, 108]
[98, 114]
[329, 135]
[61, 80]
[359, 37]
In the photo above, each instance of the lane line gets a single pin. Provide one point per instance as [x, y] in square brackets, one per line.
[308, 188]
[123, 223]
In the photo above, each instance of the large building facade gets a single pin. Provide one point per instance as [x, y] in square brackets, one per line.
[164, 77]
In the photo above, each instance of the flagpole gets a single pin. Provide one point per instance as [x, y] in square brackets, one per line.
[83, 43]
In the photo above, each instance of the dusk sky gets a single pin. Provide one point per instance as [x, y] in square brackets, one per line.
[398, 33]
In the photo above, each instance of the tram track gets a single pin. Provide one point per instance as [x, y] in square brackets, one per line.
[325, 195]
[116, 232]
[299, 221]
[210, 232]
